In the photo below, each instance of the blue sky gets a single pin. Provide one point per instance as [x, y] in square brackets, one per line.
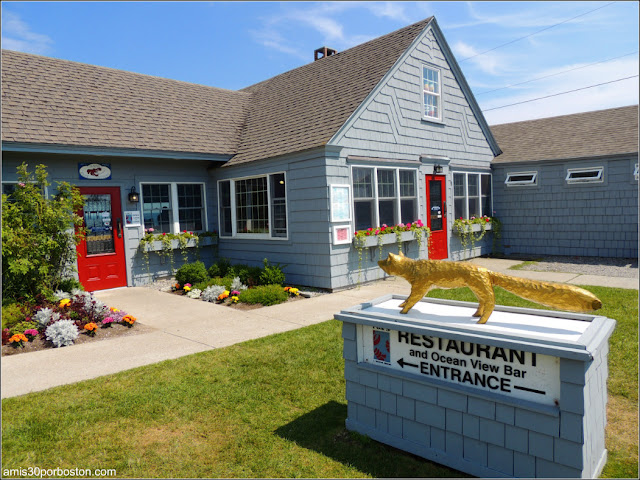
[235, 44]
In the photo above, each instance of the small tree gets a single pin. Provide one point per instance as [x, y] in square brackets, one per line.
[39, 234]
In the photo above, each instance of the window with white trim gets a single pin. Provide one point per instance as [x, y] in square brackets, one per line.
[585, 175]
[173, 207]
[521, 179]
[253, 207]
[383, 196]
[635, 172]
[431, 93]
[8, 187]
[472, 195]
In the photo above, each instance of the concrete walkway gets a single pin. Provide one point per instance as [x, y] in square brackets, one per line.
[182, 326]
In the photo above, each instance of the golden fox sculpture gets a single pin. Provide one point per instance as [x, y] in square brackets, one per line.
[423, 275]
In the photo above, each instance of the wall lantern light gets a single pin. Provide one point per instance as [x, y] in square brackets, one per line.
[134, 197]
[437, 168]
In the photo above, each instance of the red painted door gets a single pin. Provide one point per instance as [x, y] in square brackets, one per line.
[101, 263]
[437, 216]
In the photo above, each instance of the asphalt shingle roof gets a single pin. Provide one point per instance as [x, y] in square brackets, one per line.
[590, 134]
[52, 101]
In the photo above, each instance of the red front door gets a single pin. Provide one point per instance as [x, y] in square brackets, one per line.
[101, 263]
[437, 216]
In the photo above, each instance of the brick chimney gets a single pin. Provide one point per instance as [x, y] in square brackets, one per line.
[324, 51]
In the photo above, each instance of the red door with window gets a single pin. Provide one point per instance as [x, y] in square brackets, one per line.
[101, 263]
[437, 216]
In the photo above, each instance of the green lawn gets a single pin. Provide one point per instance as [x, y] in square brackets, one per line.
[272, 407]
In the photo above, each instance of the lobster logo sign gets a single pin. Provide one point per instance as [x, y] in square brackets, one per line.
[381, 347]
[94, 171]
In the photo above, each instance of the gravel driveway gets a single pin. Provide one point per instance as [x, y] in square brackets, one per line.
[610, 267]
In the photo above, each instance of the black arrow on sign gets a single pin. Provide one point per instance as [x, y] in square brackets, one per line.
[403, 363]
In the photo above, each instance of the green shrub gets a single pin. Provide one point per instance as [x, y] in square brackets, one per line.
[265, 295]
[39, 234]
[22, 326]
[223, 281]
[11, 315]
[248, 275]
[272, 274]
[192, 273]
[220, 268]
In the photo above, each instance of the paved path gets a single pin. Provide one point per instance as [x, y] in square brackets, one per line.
[182, 326]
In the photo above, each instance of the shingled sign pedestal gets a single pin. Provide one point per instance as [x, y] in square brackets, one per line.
[523, 395]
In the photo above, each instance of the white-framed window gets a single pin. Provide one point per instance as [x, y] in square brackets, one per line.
[174, 207]
[521, 179]
[253, 207]
[585, 175]
[635, 172]
[8, 187]
[472, 195]
[383, 196]
[431, 93]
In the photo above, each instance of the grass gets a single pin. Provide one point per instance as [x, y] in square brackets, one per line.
[522, 265]
[272, 407]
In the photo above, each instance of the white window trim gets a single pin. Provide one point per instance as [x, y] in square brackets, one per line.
[173, 191]
[232, 193]
[635, 172]
[598, 179]
[439, 94]
[466, 193]
[521, 183]
[376, 198]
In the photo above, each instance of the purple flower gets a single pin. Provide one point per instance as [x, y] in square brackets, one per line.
[235, 292]
[108, 320]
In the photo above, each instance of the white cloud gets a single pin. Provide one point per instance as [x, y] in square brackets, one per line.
[17, 35]
[606, 96]
[323, 18]
[492, 63]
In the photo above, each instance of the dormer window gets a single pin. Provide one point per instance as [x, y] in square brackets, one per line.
[431, 93]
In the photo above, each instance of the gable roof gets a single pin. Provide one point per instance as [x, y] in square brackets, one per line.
[590, 134]
[303, 108]
[52, 101]
[59, 102]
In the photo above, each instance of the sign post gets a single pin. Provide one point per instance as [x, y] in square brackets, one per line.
[522, 396]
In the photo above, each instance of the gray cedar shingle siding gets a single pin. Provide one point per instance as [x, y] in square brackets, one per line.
[51, 101]
[590, 134]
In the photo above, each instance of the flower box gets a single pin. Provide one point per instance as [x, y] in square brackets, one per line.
[387, 238]
[475, 227]
[156, 246]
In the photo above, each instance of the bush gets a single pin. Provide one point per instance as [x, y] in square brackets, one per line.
[44, 316]
[22, 326]
[272, 274]
[39, 235]
[220, 268]
[192, 273]
[62, 333]
[11, 315]
[265, 295]
[219, 281]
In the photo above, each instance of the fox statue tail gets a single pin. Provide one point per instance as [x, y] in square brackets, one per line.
[554, 295]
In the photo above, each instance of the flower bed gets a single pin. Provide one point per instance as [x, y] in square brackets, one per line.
[68, 319]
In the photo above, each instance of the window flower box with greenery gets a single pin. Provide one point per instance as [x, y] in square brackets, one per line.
[473, 230]
[384, 235]
[166, 243]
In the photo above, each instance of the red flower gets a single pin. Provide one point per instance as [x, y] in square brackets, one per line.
[163, 234]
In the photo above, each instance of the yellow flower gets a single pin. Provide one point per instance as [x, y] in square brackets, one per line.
[186, 289]
[235, 299]
[113, 309]
[64, 302]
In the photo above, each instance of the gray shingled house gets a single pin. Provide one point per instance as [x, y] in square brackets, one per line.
[287, 169]
[568, 185]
